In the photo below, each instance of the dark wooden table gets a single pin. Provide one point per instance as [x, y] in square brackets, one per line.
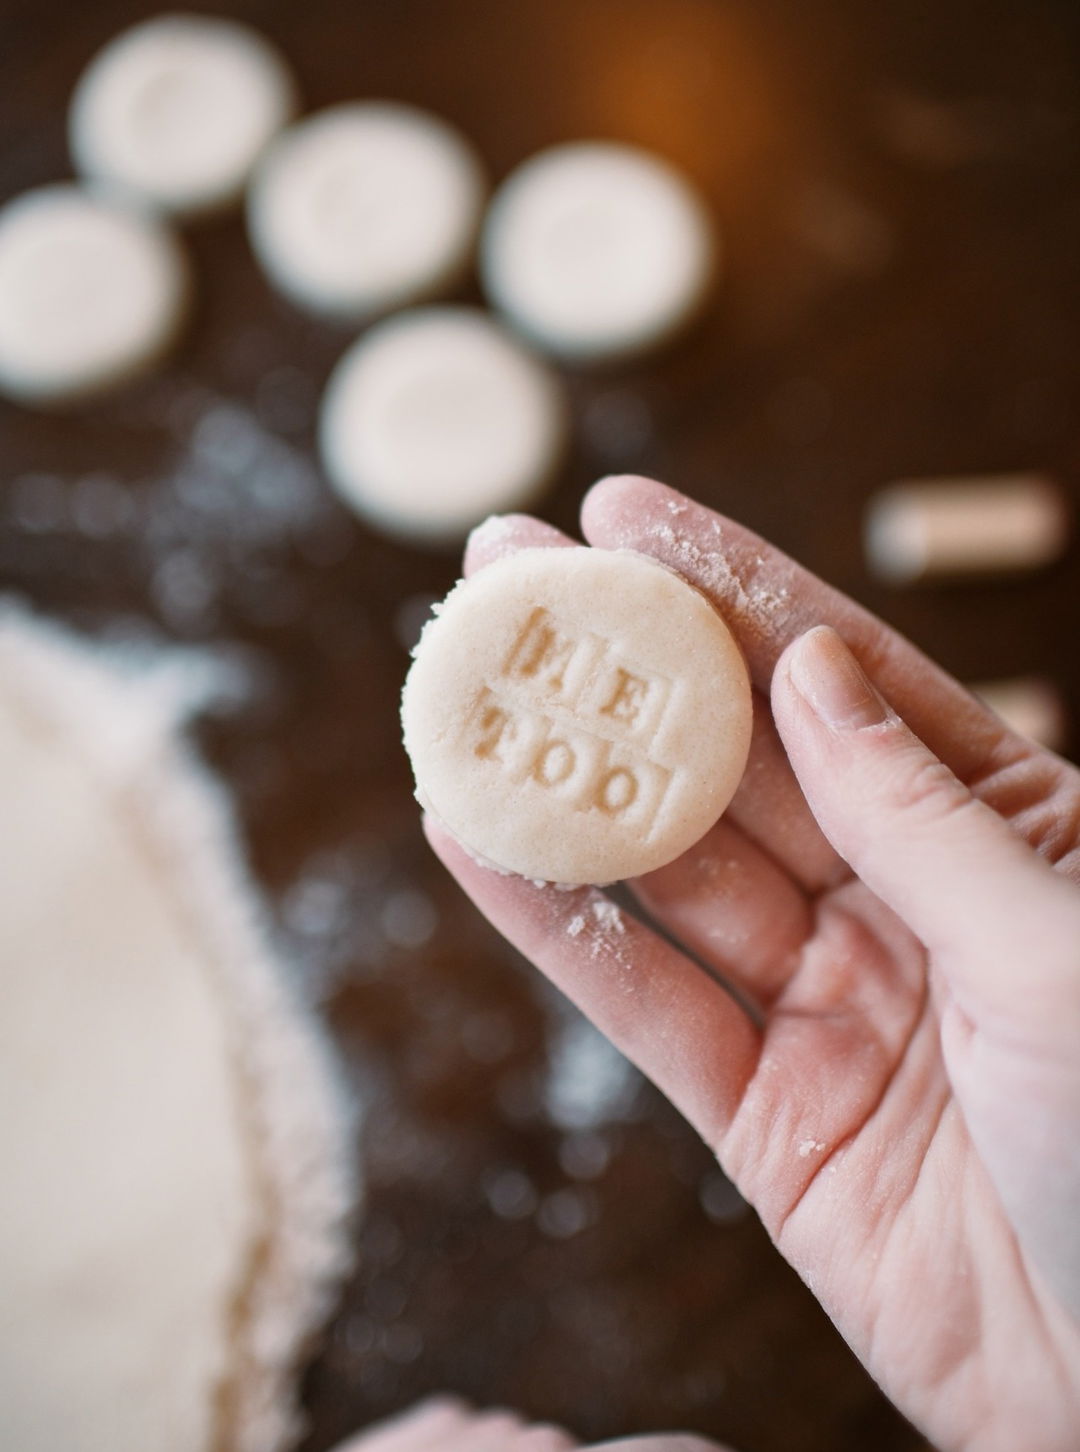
[897, 186]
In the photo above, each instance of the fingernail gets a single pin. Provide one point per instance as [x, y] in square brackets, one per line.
[833, 684]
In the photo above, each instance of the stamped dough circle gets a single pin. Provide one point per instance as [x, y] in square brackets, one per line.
[90, 294]
[577, 715]
[365, 207]
[597, 250]
[435, 419]
[174, 112]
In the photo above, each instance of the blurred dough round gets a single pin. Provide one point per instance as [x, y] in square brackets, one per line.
[435, 419]
[577, 715]
[597, 250]
[174, 112]
[365, 207]
[90, 294]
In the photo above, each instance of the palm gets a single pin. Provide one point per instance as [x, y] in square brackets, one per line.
[873, 1189]
[825, 1091]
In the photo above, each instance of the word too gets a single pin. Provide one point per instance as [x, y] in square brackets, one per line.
[569, 715]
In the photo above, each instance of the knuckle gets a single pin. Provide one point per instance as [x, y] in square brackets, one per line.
[924, 787]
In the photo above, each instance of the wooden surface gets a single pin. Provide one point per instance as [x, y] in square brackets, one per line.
[898, 191]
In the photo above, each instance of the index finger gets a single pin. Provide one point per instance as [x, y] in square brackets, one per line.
[769, 600]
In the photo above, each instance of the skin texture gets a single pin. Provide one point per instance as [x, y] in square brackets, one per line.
[894, 1078]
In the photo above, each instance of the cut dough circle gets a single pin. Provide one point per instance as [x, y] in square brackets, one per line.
[365, 207]
[435, 419]
[174, 113]
[91, 293]
[577, 715]
[597, 250]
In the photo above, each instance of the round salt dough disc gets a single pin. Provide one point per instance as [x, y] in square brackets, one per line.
[174, 112]
[365, 207]
[577, 715]
[437, 418]
[597, 250]
[90, 294]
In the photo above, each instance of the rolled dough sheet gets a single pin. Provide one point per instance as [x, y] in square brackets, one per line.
[174, 1142]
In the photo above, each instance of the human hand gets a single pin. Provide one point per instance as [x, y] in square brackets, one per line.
[898, 905]
[445, 1424]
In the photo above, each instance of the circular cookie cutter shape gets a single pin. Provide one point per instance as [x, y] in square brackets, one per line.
[174, 113]
[366, 207]
[91, 294]
[597, 250]
[577, 715]
[437, 418]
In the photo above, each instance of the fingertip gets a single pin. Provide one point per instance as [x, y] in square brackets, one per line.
[441, 841]
[614, 504]
[458, 859]
[505, 534]
[806, 640]
[810, 645]
[611, 506]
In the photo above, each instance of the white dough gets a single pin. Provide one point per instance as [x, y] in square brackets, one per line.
[577, 715]
[366, 207]
[174, 113]
[437, 418]
[174, 1148]
[90, 294]
[597, 250]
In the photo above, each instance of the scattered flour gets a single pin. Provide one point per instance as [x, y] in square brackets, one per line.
[756, 602]
[607, 915]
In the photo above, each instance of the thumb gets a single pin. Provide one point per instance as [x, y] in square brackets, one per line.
[1001, 925]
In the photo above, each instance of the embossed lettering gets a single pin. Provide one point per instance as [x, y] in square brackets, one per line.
[494, 723]
[568, 715]
[554, 763]
[627, 698]
[617, 791]
[541, 653]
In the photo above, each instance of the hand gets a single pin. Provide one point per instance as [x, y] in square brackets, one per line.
[446, 1424]
[894, 1079]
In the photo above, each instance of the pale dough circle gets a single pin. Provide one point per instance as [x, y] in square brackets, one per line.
[435, 419]
[174, 112]
[365, 207]
[91, 293]
[597, 250]
[577, 715]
